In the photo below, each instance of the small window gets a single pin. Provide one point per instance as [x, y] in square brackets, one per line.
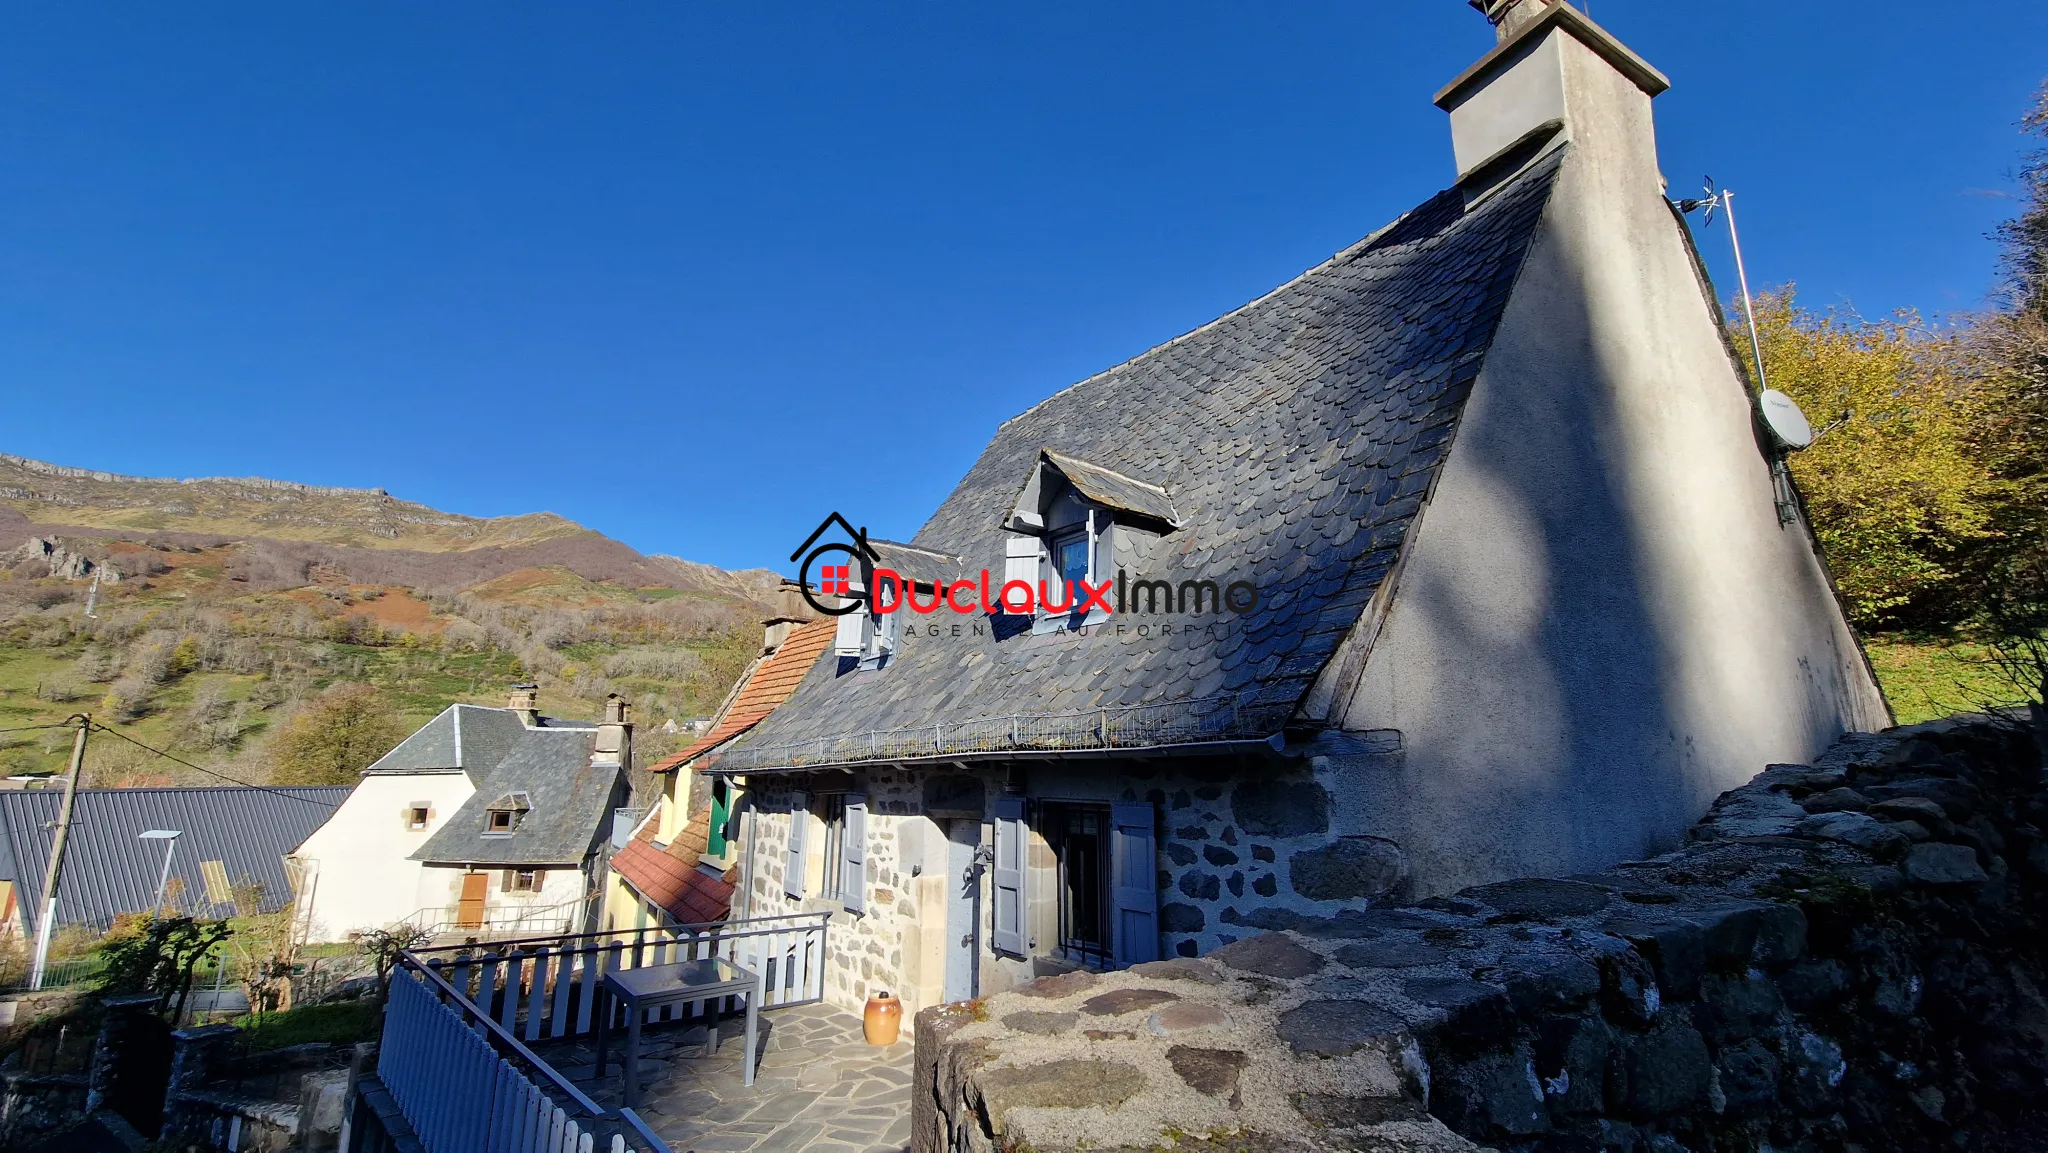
[503, 815]
[833, 812]
[524, 880]
[1070, 557]
[416, 817]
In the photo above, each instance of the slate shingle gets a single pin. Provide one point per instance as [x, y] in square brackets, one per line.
[1294, 439]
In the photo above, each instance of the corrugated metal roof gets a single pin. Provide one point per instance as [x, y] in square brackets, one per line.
[108, 871]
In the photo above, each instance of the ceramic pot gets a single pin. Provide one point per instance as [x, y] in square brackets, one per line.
[883, 1021]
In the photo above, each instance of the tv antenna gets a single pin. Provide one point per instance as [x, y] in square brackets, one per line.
[1779, 412]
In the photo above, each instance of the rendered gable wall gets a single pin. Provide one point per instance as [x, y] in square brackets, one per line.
[1600, 624]
[361, 872]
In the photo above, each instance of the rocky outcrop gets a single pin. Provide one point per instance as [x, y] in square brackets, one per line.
[1845, 955]
[42, 556]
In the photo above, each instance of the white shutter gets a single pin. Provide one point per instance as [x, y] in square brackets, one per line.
[1134, 884]
[1020, 561]
[793, 868]
[1006, 929]
[849, 635]
[853, 855]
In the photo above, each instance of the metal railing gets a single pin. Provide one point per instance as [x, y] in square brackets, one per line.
[71, 972]
[465, 1085]
[1198, 720]
[502, 922]
[540, 988]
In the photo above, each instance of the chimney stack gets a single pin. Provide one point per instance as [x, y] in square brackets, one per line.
[614, 745]
[1508, 16]
[1553, 73]
[525, 701]
[791, 611]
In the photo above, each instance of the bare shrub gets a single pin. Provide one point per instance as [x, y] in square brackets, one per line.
[128, 698]
[96, 666]
[58, 688]
[675, 664]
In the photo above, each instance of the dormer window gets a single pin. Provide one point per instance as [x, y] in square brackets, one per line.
[1068, 522]
[868, 637]
[503, 816]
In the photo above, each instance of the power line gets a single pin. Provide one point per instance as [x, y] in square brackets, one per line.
[32, 728]
[204, 769]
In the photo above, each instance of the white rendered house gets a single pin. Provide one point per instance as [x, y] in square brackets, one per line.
[519, 799]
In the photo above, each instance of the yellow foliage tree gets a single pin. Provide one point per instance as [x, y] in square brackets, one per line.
[1896, 485]
[336, 737]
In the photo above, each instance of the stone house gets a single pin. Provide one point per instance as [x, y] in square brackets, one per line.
[674, 867]
[483, 820]
[1462, 556]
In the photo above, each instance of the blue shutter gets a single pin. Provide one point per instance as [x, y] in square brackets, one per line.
[1134, 884]
[793, 868]
[1006, 929]
[853, 854]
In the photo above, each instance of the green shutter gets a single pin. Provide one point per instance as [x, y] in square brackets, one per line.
[719, 816]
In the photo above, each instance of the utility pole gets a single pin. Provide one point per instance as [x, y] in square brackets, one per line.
[47, 922]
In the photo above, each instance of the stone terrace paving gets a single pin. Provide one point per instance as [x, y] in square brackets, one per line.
[820, 1085]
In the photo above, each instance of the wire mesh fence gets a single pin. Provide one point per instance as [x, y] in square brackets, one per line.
[1132, 727]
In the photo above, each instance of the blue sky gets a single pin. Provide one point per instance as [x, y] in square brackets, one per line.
[695, 274]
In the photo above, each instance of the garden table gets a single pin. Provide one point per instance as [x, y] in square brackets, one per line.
[709, 980]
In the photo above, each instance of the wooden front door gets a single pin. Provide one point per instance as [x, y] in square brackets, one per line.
[470, 913]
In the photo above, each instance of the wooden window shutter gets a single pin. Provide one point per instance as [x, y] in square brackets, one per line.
[853, 854]
[849, 634]
[1020, 562]
[793, 868]
[715, 837]
[1134, 885]
[1006, 928]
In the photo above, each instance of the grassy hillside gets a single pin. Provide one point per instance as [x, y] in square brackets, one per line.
[196, 668]
[1929, 675]
[239, 603]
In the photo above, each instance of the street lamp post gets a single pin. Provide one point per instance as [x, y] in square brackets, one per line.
[170, 839]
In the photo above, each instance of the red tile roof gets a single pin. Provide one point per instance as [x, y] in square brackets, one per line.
[774, 680]
[672, 879]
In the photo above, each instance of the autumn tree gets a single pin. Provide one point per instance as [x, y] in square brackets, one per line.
[337, 736]
[1896, 485]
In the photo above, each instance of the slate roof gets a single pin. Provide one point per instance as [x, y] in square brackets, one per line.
[772, 681]
[471, 738]
[1297, 438]
[107, 871]
[571, 805]
[670, 877]
[1108, 487]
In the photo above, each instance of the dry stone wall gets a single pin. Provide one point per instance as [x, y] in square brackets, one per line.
[1844, 956]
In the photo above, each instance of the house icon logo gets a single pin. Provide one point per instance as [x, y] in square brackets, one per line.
[837, 577]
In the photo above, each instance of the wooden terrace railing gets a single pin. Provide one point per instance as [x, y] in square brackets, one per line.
[542, 988]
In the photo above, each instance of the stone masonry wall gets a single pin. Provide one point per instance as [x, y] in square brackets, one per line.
[1845, 956]
[865, 953]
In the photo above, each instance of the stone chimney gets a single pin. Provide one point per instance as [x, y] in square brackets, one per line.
[525, 700]
[1508, 16]
[614, 745]
[1553, 72]
[791, 611]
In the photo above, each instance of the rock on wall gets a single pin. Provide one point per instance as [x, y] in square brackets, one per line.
[1845, 956]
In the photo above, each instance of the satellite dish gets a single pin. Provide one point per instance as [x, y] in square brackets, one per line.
[1786, 422]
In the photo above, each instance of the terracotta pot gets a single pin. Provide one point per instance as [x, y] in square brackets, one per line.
[883, 1021]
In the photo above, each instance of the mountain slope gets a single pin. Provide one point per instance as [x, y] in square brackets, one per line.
[369, 535]
[226, 607]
